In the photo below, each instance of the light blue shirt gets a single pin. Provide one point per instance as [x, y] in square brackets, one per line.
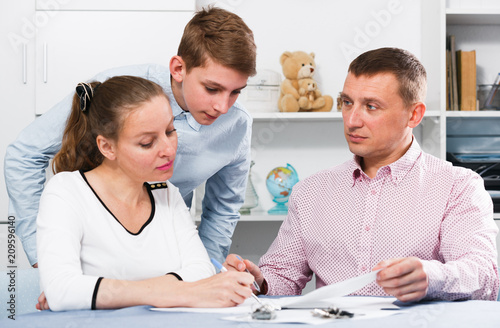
[218, 154]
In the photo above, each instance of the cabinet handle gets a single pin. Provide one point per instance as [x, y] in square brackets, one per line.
[25, 63]
[45, 62]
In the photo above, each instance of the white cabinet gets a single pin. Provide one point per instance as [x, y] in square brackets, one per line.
[17, 88]
[78, 44]
[49, 46]
[110, 5]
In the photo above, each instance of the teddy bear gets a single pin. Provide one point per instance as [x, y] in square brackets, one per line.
[299, 65]
[310, 96]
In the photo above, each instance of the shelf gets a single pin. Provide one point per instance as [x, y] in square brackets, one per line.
[464, 16]
[302, 116]
[319, 116]
[481, 113]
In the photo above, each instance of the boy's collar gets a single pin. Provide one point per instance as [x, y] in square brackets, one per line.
[180, 114]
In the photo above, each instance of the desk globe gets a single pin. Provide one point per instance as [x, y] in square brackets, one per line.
[279, 182]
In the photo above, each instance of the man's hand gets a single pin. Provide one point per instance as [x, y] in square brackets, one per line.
[404, 278]
[235, 262]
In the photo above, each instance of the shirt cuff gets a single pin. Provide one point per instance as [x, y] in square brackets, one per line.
[175, 275]
[94, 295]
[435, 278]
[264, 288]
[29, 246]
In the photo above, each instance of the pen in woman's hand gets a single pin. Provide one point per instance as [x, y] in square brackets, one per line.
[223, 269]
[255, 284]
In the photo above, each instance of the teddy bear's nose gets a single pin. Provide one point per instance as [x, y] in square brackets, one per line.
[312, 69]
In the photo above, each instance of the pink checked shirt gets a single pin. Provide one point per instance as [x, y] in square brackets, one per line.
[341, 223]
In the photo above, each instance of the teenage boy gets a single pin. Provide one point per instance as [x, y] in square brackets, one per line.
[215, 57]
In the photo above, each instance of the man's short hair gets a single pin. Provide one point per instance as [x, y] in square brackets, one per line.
[408, 70]
[221, 36]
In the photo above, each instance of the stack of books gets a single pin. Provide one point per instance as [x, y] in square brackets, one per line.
[460, 78]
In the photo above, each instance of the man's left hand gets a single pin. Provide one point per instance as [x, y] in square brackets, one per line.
[403, 278]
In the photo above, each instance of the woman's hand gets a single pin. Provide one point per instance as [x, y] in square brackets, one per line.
[42, 303]
[221, 290]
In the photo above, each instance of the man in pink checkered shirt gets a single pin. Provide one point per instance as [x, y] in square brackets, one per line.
[427, 224]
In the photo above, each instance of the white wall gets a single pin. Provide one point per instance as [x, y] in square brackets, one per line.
[335, 30]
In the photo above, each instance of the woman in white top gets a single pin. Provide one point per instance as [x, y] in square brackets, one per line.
[105, 237]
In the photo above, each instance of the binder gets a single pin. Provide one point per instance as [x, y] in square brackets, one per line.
[466, 80]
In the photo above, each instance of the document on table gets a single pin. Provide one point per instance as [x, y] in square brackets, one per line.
[330, 295]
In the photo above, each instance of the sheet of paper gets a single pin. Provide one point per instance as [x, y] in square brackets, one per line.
[245, 307]
[316, 297]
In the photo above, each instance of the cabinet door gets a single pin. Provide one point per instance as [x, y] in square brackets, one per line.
[17, 86]
[75, 45]
[115, 5]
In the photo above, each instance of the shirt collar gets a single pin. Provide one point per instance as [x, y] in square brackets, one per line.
[397, 170]
[181, 114]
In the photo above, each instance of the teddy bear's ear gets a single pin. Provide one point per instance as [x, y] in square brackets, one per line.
[284, 56]
[312, 54]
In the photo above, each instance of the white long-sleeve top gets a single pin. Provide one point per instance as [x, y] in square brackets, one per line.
[79, 240]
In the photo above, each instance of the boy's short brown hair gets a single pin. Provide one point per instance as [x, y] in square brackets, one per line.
[221, 36]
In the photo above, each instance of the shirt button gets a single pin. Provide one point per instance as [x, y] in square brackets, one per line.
[374, 192]
[363, 268]
[367, 228]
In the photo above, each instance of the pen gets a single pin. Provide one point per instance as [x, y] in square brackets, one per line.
[223, 269]
[255, 284]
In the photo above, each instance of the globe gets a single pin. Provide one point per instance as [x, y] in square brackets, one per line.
[280, 182]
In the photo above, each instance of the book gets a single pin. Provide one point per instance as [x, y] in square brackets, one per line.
[452, 83]
[448, 81]
[466, 80]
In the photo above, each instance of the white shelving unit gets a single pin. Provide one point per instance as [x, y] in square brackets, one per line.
[477, 29]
